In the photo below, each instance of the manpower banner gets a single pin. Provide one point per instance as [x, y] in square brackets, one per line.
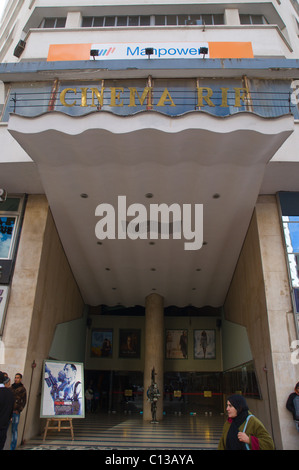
[131, 51]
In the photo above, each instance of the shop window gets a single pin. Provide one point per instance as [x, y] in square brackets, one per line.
[291, 233]
[243, 380]
[10, 218]
[289, 206]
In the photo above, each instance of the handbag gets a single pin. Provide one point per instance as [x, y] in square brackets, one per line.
[245, 426]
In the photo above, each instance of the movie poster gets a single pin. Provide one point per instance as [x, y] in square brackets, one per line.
[176, 344]
[129, 343]
[101, 342]
[204, 344]
[62, 390]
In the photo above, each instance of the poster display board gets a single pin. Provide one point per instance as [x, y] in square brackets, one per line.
[62, 390]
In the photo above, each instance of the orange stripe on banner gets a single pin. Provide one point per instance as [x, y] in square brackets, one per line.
[230, 50]
[58, 52]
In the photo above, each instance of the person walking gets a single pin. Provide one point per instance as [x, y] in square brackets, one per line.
[292, 405]
[242, 430]
[7, 401]
[20, 401]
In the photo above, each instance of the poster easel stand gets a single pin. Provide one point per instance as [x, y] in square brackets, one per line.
[59, 426]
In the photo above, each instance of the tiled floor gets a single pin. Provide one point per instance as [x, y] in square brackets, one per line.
[130, 432]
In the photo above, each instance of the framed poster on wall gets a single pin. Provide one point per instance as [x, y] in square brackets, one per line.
[176, 344]
[204, 344]
[129, 343]
[101, 342]
[62, 390]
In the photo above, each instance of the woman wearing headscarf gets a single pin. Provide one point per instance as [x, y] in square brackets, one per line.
[242, 430]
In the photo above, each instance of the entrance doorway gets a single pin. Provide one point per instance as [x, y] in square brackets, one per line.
[116, 391]
[184, 392]
[193, 392]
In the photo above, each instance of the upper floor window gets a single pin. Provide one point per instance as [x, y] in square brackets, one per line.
[253, 19]
[53, 23]
[115, 21]
[189, 19]
[147, 20]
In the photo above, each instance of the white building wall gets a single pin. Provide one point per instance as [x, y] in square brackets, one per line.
[22, 17]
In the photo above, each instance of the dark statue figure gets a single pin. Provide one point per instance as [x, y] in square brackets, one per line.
[153, 395]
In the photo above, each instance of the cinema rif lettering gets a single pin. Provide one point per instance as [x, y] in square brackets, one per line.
[131, 97]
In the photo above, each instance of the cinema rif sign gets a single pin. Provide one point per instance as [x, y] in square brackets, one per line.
[131, 97]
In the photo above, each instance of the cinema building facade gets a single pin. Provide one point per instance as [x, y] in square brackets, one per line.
[108, 113]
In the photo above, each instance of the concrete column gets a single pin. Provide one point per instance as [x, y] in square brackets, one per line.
[73, 20]
[154, 351]
[231, 17]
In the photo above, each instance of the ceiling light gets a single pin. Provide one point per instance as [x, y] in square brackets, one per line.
[149, 195]
[84, 195]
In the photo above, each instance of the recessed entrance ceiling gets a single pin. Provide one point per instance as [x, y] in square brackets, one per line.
[191, 159]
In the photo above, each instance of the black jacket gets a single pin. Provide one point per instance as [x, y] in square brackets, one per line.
[290, 404]
[7, 400]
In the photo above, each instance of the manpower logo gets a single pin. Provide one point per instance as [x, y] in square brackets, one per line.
[104, 52]
[160, 220]
[201, 50]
